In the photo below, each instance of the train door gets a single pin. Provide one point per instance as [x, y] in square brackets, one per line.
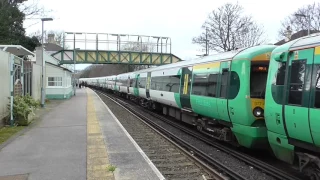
[186, 76]
[298, 82]
[222, 100]
[314, 111]
[148, 85]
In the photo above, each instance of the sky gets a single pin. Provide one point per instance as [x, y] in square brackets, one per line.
[180, 20]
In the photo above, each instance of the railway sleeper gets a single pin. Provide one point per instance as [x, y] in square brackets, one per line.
[309, 165]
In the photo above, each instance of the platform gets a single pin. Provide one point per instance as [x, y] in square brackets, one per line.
[77, 139]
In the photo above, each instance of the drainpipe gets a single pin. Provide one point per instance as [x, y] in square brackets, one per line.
[11, 89]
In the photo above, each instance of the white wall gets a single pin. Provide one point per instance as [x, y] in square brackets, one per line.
[54, 71]
[36, 82]
[5, 83]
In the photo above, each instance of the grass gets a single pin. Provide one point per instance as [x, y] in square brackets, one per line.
[111, 168]
[7, 132]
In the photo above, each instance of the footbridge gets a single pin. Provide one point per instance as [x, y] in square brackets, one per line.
[101, 48]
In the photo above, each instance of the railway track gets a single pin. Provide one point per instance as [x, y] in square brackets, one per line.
[258, 164]
[170, 157]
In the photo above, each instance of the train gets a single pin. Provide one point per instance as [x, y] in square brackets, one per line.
[264, 96]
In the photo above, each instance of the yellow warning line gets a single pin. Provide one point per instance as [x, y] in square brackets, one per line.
[97, 156]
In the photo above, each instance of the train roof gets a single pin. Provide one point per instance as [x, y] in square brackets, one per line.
[242, 53]
[312, 40]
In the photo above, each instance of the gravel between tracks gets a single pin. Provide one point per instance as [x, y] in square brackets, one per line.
[240, 167]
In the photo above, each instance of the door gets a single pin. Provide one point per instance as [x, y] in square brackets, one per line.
[222, 100]
[296, 107]
[186, 75]
[314, 111]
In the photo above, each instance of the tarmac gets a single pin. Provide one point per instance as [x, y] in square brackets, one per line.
[78, 139]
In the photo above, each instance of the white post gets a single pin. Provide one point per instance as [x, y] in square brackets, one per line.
[11, 89]
[42, 73]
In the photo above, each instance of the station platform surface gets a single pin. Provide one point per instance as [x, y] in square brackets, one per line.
[78, 139]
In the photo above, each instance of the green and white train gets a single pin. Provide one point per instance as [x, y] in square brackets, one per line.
[253, 97]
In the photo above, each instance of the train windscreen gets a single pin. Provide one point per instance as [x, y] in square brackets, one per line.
[258, 80]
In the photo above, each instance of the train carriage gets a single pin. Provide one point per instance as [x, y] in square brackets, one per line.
[293, 103]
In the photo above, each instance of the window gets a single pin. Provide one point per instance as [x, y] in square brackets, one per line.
[317, 89]
[166, 83]
[199, 85]
[204, 84]
[234, 85]
[258, 80]
[54, 81]
[142, 82]
[224, 83]
[296, 82]
[281, 73]
[278, 83]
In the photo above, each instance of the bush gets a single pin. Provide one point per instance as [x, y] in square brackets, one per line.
[22, 107]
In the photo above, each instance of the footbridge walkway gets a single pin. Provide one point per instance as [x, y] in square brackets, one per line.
[101, 48]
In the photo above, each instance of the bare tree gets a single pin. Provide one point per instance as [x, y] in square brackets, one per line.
[297, 23]
[136, 46]
[227, 29]
[58, 36]
[32, 9]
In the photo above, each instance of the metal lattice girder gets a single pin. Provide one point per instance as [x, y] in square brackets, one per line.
[114, 57]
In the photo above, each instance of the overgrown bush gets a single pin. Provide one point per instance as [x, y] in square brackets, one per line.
[22, 107]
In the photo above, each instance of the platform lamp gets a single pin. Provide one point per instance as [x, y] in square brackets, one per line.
[74, 68]
[43, 63]
[309, 20]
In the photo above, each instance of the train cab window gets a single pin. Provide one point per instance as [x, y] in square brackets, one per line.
[317, 89]
[224, 83]
[258, 80]
[296, 84]
[281, 73]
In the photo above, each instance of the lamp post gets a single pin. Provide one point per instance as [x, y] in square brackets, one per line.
[309, 20]
[74, 68]
[43, 64]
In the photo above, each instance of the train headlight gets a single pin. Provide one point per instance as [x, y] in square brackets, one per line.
[258, 112]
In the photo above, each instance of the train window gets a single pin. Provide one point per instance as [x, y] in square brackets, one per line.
[224, 83]
[174, 83]
[234, 85]
[200, 83]
[212, 85]
[278, 83]
[297, 76]
[166, 83]
[317, 97]
[142, 82]
[281, 73]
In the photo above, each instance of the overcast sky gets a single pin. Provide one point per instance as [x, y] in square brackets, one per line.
[180, 20]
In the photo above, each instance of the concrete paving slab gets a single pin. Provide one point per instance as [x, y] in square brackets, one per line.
[55, 148]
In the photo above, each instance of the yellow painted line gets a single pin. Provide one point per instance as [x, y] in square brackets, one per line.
[97, 156]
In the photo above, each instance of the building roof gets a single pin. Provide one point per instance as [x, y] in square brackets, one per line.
[52, 47]
[16, 50]
[297, 35]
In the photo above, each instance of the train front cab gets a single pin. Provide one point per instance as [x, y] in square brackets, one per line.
[293, 103]
[246, 109]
